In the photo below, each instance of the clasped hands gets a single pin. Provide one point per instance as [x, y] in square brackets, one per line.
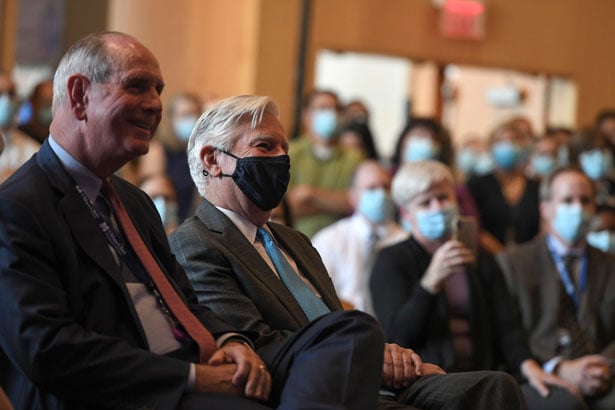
[402, 367]
[234, 369]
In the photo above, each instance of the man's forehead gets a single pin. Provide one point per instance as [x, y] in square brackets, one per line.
[569, 181]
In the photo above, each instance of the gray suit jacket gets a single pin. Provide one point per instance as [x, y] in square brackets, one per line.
[535, 284]
[232, 279]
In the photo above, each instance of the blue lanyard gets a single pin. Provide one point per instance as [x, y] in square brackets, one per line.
[566, 277]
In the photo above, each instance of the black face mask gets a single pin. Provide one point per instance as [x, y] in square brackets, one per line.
[262, 179]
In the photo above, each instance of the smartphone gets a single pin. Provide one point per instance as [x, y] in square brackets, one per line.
[465, 230]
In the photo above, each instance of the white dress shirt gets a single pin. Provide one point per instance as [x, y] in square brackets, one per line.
[345, 250]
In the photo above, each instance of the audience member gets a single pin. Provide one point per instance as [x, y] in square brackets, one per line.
[434, 293]
[507, 199]
[17, 146]
[97, 317]
[605, 123]
[359, 137]
[544, 157]
[160, 189]
[348, 247]
[356, 112]
[37, 125]
[322, 169]
[267, 278]
[601, 231]
[595, 156]
[473, 158]
[426, 138]
[563, 137]
[167, 153]
[565, 290]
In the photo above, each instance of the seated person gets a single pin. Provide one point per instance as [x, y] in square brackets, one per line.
[507, 199]
[18, 147]
[601, 230]
[348, 247]
[565, 290]
[95, 310]
[435, 294]
[267, 278]
[322, 168]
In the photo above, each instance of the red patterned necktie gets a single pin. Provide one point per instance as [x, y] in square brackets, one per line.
[196, 330]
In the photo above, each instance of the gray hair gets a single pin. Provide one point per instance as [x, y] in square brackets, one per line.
[415, 178]
[221, 126]
[88, 56]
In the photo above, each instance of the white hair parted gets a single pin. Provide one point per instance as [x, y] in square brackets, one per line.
[415, 178]
[88, 56]
[222, 125]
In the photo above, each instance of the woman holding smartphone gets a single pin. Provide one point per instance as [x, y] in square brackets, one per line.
[432, 292]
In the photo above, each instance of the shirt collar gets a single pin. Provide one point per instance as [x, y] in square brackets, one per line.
[245, 226]
[85, 178]
[561, 249]
[364, 228]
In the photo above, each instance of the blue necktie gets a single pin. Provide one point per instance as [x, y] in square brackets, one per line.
[312, 305]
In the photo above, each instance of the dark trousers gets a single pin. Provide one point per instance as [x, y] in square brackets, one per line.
[335, 362]
[460, 391]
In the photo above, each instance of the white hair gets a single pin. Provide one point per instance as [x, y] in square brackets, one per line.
[415, 178]
[89, 56]
[221, 126]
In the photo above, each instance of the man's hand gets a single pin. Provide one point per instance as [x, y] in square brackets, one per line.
[541, 380]
[449, 257]
[591, 374]
[250, 373]
[430, 368]
[401, 366]
[217, 379]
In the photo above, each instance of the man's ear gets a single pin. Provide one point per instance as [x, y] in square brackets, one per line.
[209, 160]
[78, 87]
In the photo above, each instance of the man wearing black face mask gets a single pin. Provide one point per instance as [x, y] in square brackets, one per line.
[267, 278]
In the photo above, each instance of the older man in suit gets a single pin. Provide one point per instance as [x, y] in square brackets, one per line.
[95, 310]
[565, 290]
[266, 277]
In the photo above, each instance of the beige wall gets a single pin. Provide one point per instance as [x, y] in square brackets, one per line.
[250, 46]
[217, 46]
[8, 17]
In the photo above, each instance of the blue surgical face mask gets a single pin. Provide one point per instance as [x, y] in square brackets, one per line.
[596, 163]
[419, 149]
[44, 116]
[603, 240]
[543, 164]
[324, 123]
[183, 127]
[167, 211]
[375, 205]
[435, 225]
[570, 222]
[484, 164]
[6, 110]
[506, 155]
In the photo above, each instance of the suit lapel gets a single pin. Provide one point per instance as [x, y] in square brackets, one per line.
[597, 277]
[81, 223]
[242, 250]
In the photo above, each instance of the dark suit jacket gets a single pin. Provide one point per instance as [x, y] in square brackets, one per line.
[414, 318]
[535, 285]
[69, 327]
[230, 277]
